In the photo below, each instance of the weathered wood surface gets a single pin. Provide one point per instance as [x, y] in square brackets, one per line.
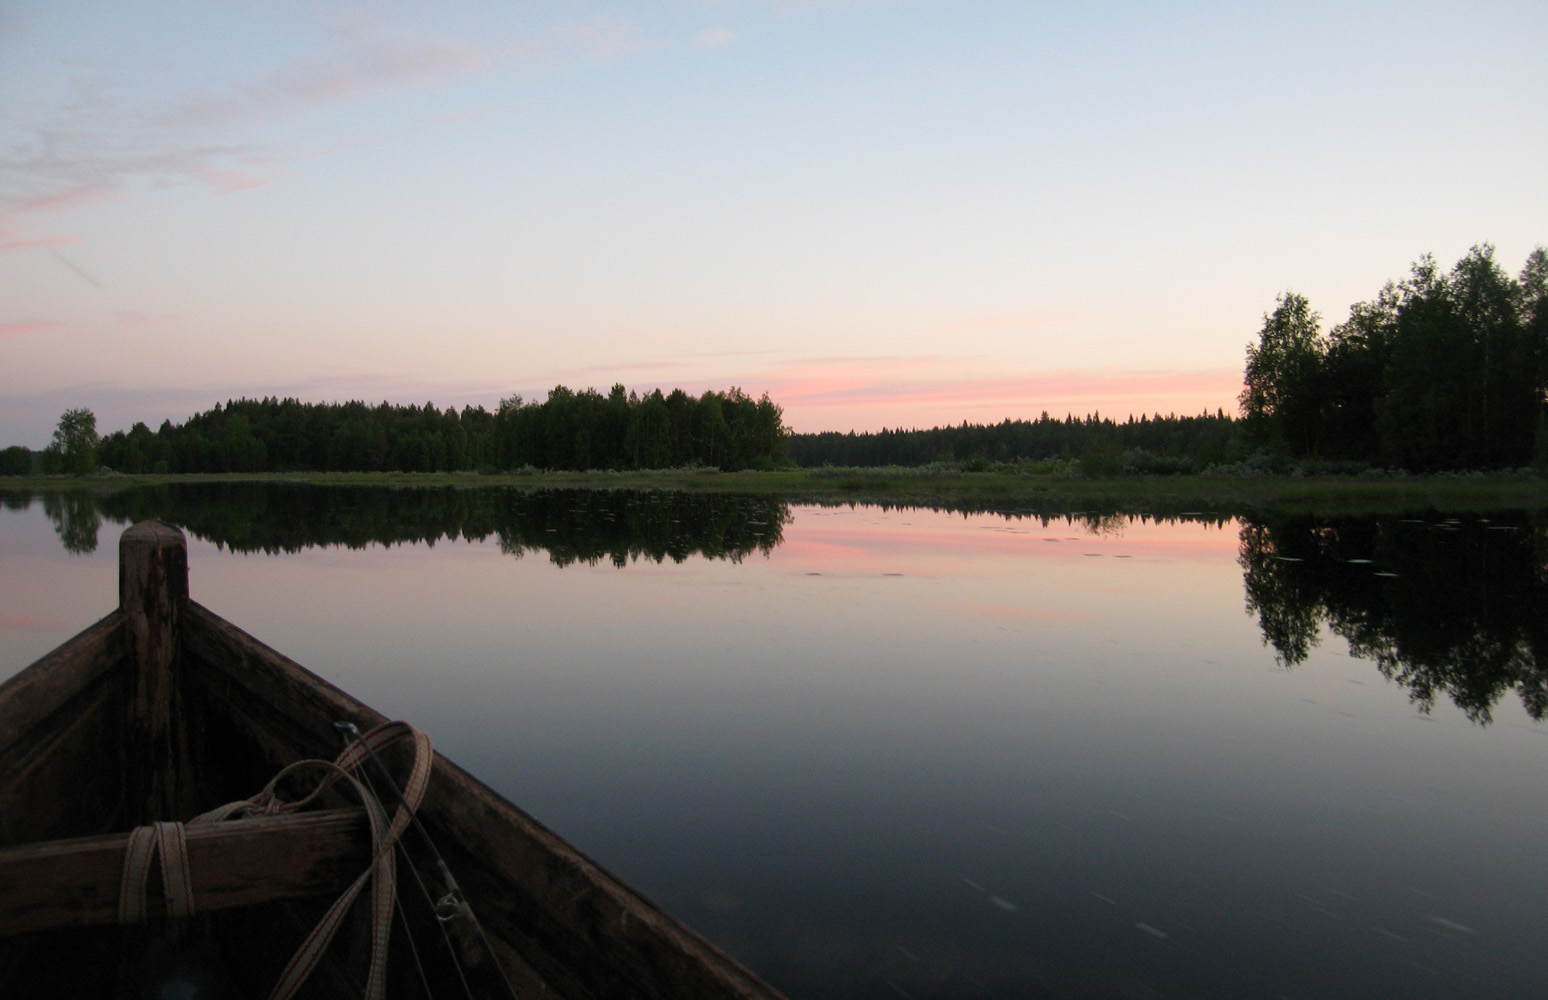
[75, 883]
[31, 696]
[61, 764]
[212, 714]
[553, 912]
[152, 593]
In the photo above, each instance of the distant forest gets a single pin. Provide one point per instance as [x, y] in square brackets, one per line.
[1144, 444]
[569, 430]
[1441, 371]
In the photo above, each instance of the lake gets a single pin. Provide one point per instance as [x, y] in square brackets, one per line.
[882, 752]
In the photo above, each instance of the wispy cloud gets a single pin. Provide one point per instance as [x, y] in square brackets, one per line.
[39, 242]
[333, 76]
[606, 38]
[714, 38]
[22, 327]
[94, 144]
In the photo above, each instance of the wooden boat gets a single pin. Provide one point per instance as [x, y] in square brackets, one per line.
[163, 709]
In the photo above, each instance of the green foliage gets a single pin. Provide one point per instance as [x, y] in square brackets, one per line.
[15, 461]
[1142, 444]
[1282, 394]
[74, 448]
[1101, 457]
[1441, 371]
[570, 430]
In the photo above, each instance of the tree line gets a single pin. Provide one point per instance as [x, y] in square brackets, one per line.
[1443, 370]
[1154, 444]
[569, 430]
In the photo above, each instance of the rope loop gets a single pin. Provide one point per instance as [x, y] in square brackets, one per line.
[169, 840]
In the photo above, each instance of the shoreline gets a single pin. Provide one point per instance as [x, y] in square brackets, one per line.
[990, 490]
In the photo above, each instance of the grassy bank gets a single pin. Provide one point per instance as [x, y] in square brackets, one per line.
[950, 488]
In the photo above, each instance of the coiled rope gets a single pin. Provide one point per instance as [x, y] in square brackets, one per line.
[167, 841]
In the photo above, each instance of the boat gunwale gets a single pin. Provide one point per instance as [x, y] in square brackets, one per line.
[560, 923]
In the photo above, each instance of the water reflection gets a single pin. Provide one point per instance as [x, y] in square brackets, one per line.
[1441, 604]
[570, 526]
[76, 516]
[931, 754]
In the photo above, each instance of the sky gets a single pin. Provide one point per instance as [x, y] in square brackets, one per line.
[882, 214]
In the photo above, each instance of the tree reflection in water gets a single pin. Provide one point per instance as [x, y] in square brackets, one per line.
[571, 526]
[1441, 604]
[76, 518]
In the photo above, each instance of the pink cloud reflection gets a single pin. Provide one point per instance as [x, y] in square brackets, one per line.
[928, 543]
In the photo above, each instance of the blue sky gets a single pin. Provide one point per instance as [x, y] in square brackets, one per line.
[881, 213]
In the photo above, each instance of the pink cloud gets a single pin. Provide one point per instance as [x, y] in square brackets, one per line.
[871, 393]
[336, 76]
[94, 149]
[226, 181]
[61, 201]
[22, 327]
[15, 215]
[39, 242]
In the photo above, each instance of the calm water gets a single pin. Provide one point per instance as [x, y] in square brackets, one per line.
[881, 753]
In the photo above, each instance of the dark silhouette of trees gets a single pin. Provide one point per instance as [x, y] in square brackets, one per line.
[15, 461]
[1441, 605]
[1153, 444]
[75, 444]
[569, 430]
[1283, 391]
[569, 526]
[1439, 371]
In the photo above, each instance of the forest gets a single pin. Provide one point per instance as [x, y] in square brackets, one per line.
[1442, 371]
[1158, 445]
[568, 430]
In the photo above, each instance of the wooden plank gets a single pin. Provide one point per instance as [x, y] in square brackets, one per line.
[30, 697]
[152, 592]
[61, 725]
[580, 928]
[75, 883]
[69, 782]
